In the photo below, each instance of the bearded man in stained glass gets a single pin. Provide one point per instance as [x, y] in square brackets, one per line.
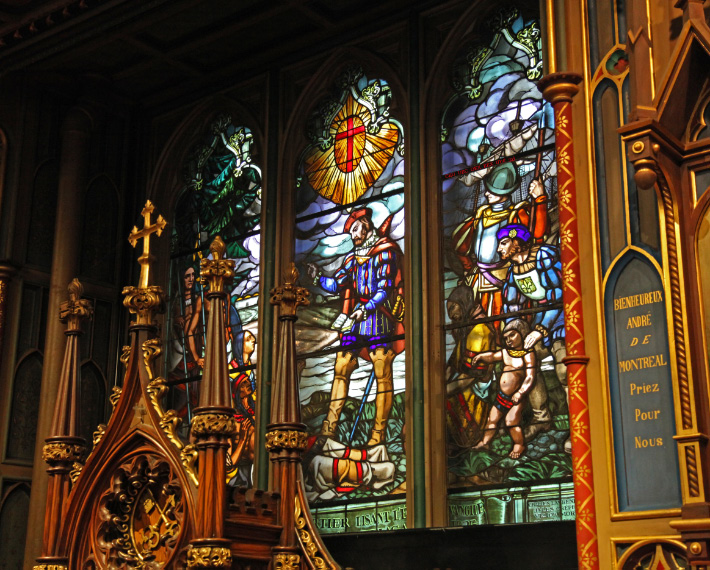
[370, 284]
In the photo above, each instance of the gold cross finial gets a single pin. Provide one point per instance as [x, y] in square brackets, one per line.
[157, 228]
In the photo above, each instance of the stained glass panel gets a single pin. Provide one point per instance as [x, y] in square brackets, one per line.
[506, 406]
[350, 340]
[221, 197]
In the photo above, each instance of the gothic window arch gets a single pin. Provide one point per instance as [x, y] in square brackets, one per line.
[349, 241]
[14, 511]
[220, 196]
[502, 283]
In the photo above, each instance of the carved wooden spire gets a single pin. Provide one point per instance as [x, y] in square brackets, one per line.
[64, 447]
[213, 424]
[286, 438]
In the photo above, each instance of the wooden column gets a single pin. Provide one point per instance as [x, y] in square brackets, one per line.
[559, 89]
[213, 423]
[286, 435]
[73, 166]
[64, 448]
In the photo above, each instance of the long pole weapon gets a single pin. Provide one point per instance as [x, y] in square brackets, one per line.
[366, 393]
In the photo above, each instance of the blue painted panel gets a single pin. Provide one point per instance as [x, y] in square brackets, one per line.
[641, 388]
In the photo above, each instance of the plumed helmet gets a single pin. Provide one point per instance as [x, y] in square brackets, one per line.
[502, 180]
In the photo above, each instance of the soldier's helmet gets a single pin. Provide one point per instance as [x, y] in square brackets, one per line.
[502, 180]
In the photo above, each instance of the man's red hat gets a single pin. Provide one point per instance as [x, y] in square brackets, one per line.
[356, 215]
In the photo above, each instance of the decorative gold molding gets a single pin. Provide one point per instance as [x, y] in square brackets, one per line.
[306, 534]
[208, 424]
[49, 567]
[99, 434]
[286, 439]
[115, 396]
[125, 355]
[155, 389]
[152, 349]
[208, 557]
[188, 457]
[144, 302]
[59, 451]
[284, 561]
[169, 423]
[76, 471]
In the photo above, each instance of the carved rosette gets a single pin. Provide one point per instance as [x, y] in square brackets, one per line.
[213, 424]
[209, 557]
[60, 452]
[142, 515]
[284, 561]
[286, 439]
[144, 302]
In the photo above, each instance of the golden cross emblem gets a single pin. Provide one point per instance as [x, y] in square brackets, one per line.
[146, 259]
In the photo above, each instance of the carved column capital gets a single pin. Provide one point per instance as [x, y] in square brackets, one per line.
[291, 439]
[60, 452]
[560, 87]
[144, 302]
[207, 424]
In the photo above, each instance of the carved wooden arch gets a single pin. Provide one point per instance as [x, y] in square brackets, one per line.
[134, 429]
[118, 483]
[293, 141]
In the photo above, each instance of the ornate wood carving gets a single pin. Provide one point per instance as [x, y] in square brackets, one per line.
[142, 515]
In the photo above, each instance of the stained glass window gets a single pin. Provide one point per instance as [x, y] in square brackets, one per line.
[506, 406]
[221, 197]
[350, 340]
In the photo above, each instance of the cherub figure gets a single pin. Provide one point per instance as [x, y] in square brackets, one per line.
[517, 379]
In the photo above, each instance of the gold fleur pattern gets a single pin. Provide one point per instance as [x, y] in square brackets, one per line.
[209, 557]
[287, 561]
[587, 541]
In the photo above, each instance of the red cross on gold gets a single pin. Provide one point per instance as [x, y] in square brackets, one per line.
[157, 228]
[354, 127]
